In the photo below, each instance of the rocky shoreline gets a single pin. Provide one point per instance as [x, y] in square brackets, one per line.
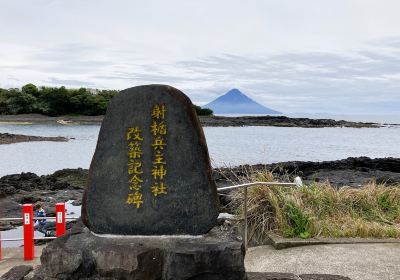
[7, 138]
[280, 121]
[352, 172]
[69, 184]
[213, 121]
[17, 189]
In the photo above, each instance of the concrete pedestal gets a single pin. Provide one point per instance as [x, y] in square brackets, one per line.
[82, 254]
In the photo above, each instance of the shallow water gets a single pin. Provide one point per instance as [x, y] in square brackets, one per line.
[228, 146]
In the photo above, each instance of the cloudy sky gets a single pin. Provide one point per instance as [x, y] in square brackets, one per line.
[335, 56]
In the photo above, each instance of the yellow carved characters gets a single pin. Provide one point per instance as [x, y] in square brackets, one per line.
[134, 138]
[135, 169]
[159, 132]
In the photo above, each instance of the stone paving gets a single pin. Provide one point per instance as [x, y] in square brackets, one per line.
[15, 256]
[356, 261]
[319, 262]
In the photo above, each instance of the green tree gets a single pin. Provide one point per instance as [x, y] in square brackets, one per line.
[17, 102]
[203, 111]
[30, 89]
[55, 101]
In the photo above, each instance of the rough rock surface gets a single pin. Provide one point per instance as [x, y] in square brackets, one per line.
[352, 172]
[17, 272]
[280, 121]
[7, 138]
[189, 204]
[82, 254]
[16, 189]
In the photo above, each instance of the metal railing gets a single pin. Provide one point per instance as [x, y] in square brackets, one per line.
[297, 182]
[34, 218]
[28, 220]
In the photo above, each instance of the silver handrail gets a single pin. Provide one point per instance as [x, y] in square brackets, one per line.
[297, 182]
[35, 238]
[36, 218]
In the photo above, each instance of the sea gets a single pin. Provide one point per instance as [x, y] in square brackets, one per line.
[228, 146]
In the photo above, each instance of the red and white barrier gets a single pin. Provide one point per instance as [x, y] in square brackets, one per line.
[28, 226]
[60, 219]
[27, 218]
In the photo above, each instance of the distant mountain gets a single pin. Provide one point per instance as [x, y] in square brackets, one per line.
[235, 102]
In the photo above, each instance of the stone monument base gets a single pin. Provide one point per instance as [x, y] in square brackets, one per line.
[81, 254]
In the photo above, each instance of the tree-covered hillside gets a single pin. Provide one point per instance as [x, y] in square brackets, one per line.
[57, 101]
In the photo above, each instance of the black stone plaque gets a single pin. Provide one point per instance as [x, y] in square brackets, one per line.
[151, 173]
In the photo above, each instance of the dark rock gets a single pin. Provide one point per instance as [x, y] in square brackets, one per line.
[63, 185]
[112, 204]
[17, 272]
[352, 172]
[323, 277]
[82, 254]
[7, 138]
[280, 121]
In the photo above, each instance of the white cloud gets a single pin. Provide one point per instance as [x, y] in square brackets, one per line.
[311, 55]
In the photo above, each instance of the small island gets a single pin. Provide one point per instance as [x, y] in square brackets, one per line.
[7, 138]
[280, 121]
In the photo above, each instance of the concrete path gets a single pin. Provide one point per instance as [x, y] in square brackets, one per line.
[356, 261]
[15, 256]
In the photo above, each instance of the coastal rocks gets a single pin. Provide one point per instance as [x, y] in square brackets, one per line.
[17, 272]
[280, 121]
[16, 189]
[218, 121]
[354, 172]
[151, 172]
[82, 254]
[60, 180]
[7, 138]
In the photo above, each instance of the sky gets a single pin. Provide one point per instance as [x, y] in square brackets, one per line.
[314, 56]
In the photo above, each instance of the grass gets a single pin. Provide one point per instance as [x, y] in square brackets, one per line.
[319, 210]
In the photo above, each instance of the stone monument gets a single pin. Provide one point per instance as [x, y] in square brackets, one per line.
[151, 173]
[150, 204]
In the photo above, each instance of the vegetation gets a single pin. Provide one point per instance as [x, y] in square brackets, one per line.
[57, 101]
[319, 210]
[202, 111]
